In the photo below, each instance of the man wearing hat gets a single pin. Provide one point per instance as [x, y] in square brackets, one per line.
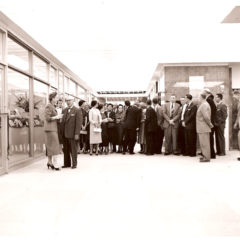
[71, 126]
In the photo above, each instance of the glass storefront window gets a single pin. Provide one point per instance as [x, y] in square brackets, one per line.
[40, 101]
[17, 55]
[1, 118]
[61, 83]
[1, 46]
[66, 85]
[72, 87]
[53, 77]
[81, 92]
[40, 68]
[18, 123]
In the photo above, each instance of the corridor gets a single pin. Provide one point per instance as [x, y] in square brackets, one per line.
[123, 197]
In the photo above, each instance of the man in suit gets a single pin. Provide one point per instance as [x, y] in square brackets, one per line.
[71, 126]
[210, 100]
[220, 122]
[189, 123]
[159, 133]
[130, 127]
[237, 124]
[204, 125]
[181, 129]
[151, 126]
[171, 114]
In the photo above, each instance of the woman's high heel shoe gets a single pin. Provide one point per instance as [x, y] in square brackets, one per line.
[50, 166]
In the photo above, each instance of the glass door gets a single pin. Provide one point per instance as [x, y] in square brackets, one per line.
[3, 128]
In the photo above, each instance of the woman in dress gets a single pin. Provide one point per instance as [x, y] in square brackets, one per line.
[141, 136]
[95, 120]
[51, 132]
[120, 114]
[104, 144]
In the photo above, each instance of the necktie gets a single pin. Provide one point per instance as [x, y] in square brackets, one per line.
[172, 110]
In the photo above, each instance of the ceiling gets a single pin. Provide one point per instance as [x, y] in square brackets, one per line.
[116, 45]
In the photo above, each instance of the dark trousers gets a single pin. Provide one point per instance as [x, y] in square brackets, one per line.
[181, 139]
[191, 142]
[220, 140]
[70, 150]
[150, 142]
[158, 140]
[129, 139]
[213, 154]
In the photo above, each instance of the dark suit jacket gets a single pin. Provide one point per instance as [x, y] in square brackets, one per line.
[112, 115]
[213, 108]
[221, 115]
[151, 122]
[71, 122]
[132, 118]
[190, 116]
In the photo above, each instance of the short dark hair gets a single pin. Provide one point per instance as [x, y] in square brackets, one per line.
[220, 96]
[80, 103]
[52, 96]
[109, 104]
[100, 106]
[203, 95]
[127, 103]
[155, 100]
[189, 96]
[119, 105]
[93, 103]
[149, 102]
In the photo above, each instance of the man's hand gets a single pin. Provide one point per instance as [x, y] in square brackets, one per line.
[76, 137]
[235, 126]
[171, 122]
[183, 124]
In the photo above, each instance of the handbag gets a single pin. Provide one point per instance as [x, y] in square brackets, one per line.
[97, 130]
[84, 132]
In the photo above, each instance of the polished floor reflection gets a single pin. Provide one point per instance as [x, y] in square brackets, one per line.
[123, 197]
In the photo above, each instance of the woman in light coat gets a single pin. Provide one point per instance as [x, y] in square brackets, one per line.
[95, 120]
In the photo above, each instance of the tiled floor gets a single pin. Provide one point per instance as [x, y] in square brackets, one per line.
[120, 197]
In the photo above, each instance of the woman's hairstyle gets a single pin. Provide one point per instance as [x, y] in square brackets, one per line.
[80, 103]
[93, 103]
[52, 96]
[100, 106]
[110, 104]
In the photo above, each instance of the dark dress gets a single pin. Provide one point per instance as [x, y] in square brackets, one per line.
[104, 131]
[119, 127]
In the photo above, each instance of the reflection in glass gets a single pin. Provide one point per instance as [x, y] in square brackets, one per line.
[72, 87]
[40, 68]
[40, 101]
[0, 117]
[53, 77]
[18, 124]
[17, 55]
[81, 92]
[66, 85]
[61, 84]
[1, 46]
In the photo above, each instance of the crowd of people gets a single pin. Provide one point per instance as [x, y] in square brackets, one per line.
[108, 128]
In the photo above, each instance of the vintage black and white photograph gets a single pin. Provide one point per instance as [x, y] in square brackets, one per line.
[119, 120]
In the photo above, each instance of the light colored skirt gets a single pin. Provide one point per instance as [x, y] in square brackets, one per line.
[95, 137]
